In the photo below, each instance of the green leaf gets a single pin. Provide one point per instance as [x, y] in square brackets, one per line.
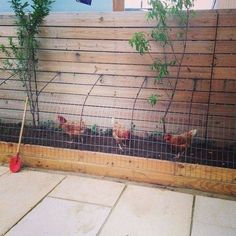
[139, 42]
[153, 99]
[161, 68]
[160, 35]
[94, 129]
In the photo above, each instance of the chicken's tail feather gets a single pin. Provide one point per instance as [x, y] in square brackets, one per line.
[193, 132]
[112, 121]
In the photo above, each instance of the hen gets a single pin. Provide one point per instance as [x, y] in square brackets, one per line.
[182, 141]
[73, 129]
[120, 133]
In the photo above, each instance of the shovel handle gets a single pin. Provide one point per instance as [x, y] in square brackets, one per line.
[22, 125]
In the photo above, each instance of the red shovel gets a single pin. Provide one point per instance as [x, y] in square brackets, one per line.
[15, 161]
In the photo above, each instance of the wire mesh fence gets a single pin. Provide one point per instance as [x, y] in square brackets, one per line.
[126, 126]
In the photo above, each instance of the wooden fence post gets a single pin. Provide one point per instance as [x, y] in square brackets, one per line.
[118, 5]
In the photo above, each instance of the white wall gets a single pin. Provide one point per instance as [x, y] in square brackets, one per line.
[225, 4]
[199, 4]
[203, 4]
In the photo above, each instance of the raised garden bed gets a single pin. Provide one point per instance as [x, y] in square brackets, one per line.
[168, 173]
[151, 147]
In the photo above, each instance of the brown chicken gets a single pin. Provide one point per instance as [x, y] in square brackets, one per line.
[182, 141]
[73, 129]
[120, 134]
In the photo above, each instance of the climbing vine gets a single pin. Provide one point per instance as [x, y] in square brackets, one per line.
[164, 12]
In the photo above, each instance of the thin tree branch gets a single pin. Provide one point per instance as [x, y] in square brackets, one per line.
[166, 78]
[178, 72]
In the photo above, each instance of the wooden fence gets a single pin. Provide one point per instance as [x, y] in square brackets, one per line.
[85, 45]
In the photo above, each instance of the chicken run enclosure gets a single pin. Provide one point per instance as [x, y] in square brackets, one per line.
[98, 91]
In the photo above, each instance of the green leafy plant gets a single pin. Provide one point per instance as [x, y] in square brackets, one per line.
[153, 99]
[162, 11]
[21, 53]
[140, 42]
[94, 129]
[49, 125]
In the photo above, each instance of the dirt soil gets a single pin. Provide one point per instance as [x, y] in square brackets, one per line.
[152, 147]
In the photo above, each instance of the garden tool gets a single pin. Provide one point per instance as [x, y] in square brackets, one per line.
[15, 161]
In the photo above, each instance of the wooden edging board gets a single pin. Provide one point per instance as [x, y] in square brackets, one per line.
[168, 173]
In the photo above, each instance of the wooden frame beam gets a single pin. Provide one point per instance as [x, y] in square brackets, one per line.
[174, 174]
[118, 5]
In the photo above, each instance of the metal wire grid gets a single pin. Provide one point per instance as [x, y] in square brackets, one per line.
[218, 149]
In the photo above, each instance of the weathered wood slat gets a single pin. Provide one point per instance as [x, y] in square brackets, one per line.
[107, 83]
[225, 60]
[70, 79]
[205, 33]
[118, 19]
[107, 87]
[119, 102]
[215, 111]
[123, 46]
[225, 47]
[129, 93]
[224, 85]
[222, 110]
[227, 18]
[136, 70]
[228, 33]
[132, 70]
[126, 19]
[224, 73]
[132, 58]
[122, 58]
[128, 70]
[180, 96]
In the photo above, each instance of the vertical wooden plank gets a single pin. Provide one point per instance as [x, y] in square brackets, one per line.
[118, 5]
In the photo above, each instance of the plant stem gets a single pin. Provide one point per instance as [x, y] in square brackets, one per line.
[178, 72]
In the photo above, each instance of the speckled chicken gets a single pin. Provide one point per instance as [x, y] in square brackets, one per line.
[181, 141]
[73, 129]
[120, 133]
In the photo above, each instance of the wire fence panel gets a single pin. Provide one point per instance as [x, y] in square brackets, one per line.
[97, 100]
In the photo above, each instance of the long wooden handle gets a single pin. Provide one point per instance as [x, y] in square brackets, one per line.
[22, 125]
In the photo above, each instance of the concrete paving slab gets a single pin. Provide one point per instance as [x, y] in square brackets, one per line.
[214, 216]
[3, 170]
[89, 190]
[150, 212]
[61, 217]
[20, 192]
